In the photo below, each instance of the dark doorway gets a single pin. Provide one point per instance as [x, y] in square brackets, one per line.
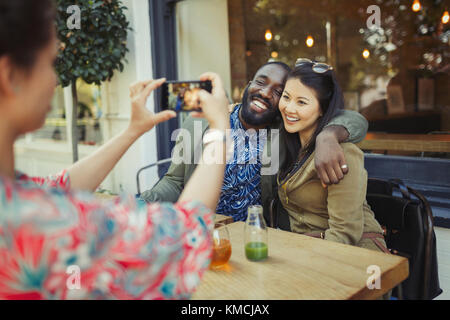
[164, 57]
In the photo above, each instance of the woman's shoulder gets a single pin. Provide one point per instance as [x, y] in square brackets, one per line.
[351, 150]
[354, 158]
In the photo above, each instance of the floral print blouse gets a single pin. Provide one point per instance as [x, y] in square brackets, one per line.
[56, 243]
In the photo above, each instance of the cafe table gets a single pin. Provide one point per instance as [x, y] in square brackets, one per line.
[301, 267]
[220, 218]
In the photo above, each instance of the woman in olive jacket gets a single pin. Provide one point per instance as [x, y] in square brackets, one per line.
[339, 212]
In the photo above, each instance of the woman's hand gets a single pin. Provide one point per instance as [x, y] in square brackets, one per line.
[89, 172]
[142, 120]
[329, 159]
[214, 105]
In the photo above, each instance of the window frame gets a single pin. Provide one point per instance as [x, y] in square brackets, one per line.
[164, 64]
[30, 142]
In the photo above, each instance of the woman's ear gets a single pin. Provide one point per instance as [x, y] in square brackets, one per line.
[7, 87]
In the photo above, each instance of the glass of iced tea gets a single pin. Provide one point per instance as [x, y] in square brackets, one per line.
[221, 246]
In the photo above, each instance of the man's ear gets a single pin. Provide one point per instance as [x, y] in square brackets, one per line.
[7, 77]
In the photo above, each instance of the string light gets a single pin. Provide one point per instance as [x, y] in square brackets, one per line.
[310, 41]
[416, 6]
[274, 54]
[268, 35]
[366, 54]
[445, 17]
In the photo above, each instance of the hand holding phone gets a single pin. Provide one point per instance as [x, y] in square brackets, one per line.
[183, 95]
[142, 120]
[215, 104]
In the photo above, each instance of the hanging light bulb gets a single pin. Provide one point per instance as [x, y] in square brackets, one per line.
[268, 35]
[274, 54]
[310, 41]
[416, 6]
[366, 54]
[445, 17]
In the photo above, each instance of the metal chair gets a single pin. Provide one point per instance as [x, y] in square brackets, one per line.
[157, 163]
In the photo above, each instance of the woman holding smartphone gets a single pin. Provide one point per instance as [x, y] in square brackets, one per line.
[123, 248]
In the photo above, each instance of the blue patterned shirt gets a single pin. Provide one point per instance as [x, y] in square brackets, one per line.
[242, 181]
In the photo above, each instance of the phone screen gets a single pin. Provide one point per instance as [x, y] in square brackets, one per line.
[183, 95]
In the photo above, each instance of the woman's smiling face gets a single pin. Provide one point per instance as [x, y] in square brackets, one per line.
[299, 108]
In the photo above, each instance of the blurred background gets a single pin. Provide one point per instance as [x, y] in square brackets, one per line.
[400, 68]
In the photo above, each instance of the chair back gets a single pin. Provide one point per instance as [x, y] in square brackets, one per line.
[408, 223]
[157, 163]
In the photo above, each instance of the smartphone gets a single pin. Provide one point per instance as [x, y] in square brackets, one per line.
[182, 95]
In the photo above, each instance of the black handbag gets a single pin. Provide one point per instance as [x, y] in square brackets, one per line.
[408, 224]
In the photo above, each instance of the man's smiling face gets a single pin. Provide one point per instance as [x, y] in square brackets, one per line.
[260, 101]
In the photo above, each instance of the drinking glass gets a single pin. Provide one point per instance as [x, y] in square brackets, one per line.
[221, 246]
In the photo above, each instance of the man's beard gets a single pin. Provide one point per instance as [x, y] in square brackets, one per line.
[255, 119]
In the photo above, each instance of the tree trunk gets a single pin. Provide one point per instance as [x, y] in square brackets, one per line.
[74, 122]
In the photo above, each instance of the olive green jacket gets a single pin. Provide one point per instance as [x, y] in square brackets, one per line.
[189, 147]
[340, 211]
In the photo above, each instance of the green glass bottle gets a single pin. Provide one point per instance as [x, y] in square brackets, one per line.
[256, 235]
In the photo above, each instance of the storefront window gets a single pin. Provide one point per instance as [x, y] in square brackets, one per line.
[396, 73]
[55, 124]
[89, 114]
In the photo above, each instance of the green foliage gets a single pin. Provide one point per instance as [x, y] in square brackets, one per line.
[97, 49]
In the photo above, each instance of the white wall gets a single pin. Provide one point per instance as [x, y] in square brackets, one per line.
[203, 39]
[43, 158]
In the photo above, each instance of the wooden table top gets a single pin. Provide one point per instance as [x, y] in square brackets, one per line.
[300, 267]
[406, 142]
[220, 218]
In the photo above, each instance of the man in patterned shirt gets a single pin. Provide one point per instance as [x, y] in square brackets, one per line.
[256, 116]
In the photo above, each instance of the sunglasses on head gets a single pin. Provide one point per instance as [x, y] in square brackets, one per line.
[317, 67]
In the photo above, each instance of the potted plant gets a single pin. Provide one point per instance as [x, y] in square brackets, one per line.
[93, 51]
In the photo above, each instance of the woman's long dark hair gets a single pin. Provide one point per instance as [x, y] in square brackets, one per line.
[331, 103]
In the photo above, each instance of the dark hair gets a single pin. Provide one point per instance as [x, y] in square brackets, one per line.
[25, 27]
[331, 103]
[279, 63]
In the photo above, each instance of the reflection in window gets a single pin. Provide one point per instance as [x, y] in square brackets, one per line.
[400, 68]
[55, 123]
[89, 114]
